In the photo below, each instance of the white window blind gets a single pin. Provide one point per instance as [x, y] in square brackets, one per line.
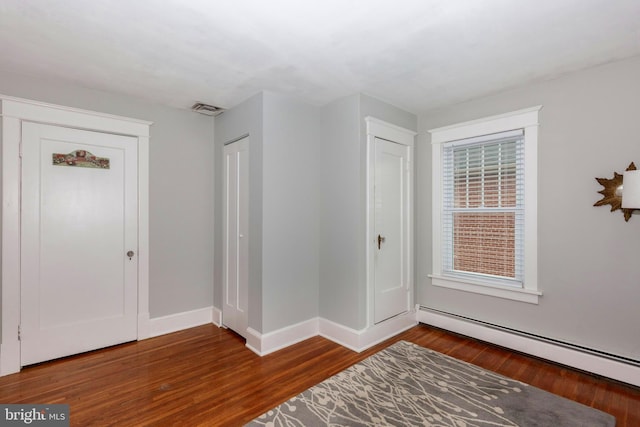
[483, 208]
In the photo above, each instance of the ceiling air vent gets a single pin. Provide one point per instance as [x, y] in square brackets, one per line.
[209, 110]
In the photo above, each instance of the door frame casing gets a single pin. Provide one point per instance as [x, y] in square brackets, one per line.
[13, 112]
[377, 128]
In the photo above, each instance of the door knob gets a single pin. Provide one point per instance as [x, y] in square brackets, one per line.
[130, 254]
[381, 240]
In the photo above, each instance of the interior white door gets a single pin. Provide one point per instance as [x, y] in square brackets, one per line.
[78, 221]
[235, 313]
[391, 219]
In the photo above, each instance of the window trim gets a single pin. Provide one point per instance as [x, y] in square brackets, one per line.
[526, 119]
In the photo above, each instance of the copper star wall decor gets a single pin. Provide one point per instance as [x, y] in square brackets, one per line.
[612, 192]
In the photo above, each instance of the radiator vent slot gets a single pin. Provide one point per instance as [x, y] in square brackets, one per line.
[207, 109]
[564, 344]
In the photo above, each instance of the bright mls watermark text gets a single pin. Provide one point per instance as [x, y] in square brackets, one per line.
[34, 415]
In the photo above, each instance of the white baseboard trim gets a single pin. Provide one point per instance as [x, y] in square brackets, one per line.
[363, 339]
[179, 321]
[254, 341]
[217, 317]
[566, 356]
[263, 344]
[340, 334]
[144, 326]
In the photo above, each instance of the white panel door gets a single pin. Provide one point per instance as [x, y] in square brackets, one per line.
[78, 285]
[391, 218]
[236, 236]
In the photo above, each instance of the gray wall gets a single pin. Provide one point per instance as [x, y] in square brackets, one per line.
[181, 189]
[588, 257]
[1, 209]
[343, 287]
[290, 223]
[341, 264]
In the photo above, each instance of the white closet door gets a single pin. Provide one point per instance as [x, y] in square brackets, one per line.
[236, 236]
[391, 213]
[79, 219]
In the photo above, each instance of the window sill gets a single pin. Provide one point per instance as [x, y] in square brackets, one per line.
[516, 294]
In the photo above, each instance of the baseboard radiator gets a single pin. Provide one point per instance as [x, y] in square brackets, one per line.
[540, 338]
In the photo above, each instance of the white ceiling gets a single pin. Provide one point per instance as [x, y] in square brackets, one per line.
[416, 54]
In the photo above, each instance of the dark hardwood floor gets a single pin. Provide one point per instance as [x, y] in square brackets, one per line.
[205, 376]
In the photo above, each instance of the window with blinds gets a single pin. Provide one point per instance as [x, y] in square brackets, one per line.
[483, 207]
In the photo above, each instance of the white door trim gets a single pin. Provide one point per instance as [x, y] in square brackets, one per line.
[13, 111]
[380, 129]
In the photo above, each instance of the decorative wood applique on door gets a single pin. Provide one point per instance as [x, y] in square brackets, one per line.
[81, 159]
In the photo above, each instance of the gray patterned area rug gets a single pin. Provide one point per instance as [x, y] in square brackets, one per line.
[409, 385]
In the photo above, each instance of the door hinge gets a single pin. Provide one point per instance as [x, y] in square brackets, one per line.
[20, 149]
[19, 334]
